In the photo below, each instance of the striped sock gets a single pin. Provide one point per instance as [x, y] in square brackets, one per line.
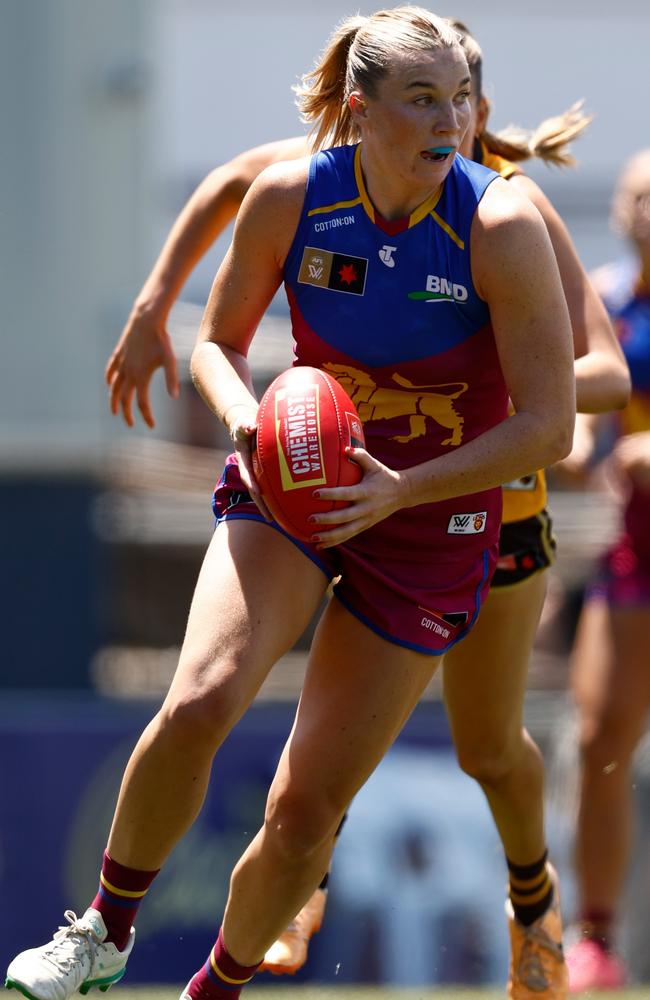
[531, 890]
[221, 978]
[121, 890]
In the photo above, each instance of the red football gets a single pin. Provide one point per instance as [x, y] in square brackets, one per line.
[305, 422]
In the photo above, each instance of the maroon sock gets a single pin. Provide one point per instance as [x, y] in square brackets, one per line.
[221, 978]
[121, 890]
[598, 925]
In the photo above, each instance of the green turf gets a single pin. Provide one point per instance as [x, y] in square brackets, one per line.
[291, 992]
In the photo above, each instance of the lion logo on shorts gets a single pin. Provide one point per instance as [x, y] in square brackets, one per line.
[415, 401]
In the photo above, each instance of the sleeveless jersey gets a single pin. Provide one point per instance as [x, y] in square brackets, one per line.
[389, 309]
[629, 307]
[527, 496]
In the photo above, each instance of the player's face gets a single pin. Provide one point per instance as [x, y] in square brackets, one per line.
[637, 203]
[414, 124]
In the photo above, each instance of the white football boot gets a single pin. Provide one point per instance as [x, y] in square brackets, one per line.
[75, 959]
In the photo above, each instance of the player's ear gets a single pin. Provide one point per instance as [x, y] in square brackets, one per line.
[357, 105]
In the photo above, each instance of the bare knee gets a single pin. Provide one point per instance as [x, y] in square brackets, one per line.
[299, 826]
[606, 740]
[493, 763]
[203, 713]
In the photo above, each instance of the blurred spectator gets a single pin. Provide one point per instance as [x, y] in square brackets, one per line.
[609, 673]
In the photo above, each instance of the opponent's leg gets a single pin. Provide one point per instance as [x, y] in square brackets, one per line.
[484, 686]
[358, 692]
[238, 626]
[484, 679]
[611, 686]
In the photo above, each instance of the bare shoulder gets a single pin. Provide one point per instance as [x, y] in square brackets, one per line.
[280, 184]
[508, 231]
[505, 208]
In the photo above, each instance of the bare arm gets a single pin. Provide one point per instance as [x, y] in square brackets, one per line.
[516, 273]
[602, 376]
[248, 278]
[144, 344]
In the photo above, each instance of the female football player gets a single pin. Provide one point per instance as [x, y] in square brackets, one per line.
[609, 676]
[492, 746]
[389, 106]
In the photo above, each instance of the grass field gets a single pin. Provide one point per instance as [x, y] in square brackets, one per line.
[360, 993]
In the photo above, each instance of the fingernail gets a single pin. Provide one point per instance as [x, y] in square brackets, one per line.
[316, 494]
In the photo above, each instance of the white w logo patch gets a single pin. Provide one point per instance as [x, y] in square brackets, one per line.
[467, 524]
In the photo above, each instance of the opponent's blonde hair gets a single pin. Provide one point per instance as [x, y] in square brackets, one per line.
[633, 184]
[548, 142]
[358, 56]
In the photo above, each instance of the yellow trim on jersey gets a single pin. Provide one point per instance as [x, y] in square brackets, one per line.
[447, 228]
[332, 208]
[426, 208]
[358, 175]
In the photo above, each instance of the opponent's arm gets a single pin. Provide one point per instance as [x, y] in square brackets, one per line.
[144, 344]
[601, 372]
[631, 459]
[245, 284]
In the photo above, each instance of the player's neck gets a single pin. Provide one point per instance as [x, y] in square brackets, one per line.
[393, 199]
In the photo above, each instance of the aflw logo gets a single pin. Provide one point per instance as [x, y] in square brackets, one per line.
[316, 267]
[467, 524]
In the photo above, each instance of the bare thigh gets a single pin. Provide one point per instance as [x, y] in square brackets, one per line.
[255, 595]
[610, 676]
[359, 691]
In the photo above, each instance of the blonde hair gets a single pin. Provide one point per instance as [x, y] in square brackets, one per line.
[358, 55]
[632, 185]
[547, 142]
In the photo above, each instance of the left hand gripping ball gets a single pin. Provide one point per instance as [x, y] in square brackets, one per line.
[305, 422]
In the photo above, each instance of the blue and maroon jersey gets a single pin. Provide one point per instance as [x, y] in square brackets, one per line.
[389, 309]
[628, 304]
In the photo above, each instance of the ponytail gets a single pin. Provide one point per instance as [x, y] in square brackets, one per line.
[321, 94]
[548, 142]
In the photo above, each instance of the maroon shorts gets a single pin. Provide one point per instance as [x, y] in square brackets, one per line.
[426, 604]
[623, 578]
